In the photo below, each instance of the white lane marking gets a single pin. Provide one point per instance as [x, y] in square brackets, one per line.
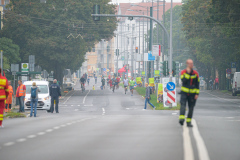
[85, 97]
[9, 144]
[49, 130]
[127, 108]
[68, 98]
[21, 140]
[63, 125]
[69, 124]
[88, 105]
[78, 105]
[187, 144]
[31, 136]
[233, 120]
[174, 113]
[229, 117]
[71, 105]
[103, 111]
[41, 133]
[202, 149]
[56, 127]
[76, 110]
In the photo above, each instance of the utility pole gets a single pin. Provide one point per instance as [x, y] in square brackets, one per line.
[117, 53]
[163, 33]
[132, 53]
[103, 55]
[139, 47]
[143, 44]
[150, 44]
[157, 65]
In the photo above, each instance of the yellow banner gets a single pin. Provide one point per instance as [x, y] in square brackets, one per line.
[160, 93]
[151, 81]
[139, 80]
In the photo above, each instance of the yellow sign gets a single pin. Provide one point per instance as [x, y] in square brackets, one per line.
[151, 82]
[139, 80]
[160, 93]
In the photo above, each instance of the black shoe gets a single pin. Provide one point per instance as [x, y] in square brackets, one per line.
[181, 121]
[189, 124]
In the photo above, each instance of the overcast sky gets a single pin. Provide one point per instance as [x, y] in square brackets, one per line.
[136, 1]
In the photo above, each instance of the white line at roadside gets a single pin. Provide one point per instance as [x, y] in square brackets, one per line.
[202, 149]
[68, 98]
[103, 111]
[85, 97]
[187, 144]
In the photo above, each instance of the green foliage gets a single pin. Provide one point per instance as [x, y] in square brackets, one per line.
[59, 32]
[10, 52]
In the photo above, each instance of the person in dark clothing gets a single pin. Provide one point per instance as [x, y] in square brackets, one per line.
[103, 82]
[189, 92]
[82, 81]
[55, 93]
[85, 76]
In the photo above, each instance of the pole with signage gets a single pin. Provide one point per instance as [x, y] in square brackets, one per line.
[2, 61]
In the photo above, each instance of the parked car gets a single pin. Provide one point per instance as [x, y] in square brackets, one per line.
[44, 99]
[236, 84]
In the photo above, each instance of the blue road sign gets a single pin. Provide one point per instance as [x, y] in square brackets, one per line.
[104, 69]
[171, 86]
[233, 65]
[151, 57]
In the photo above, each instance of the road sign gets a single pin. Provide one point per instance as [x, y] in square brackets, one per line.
[108, 70]
[104, 69]
[151, 57]
[25, 67]
[156, 50]
[228, 71]
[233, 65]
[166, 100]
[171, 97]
[171, 86]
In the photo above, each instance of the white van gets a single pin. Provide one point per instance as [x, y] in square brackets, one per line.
[236, 84]
[44, 99]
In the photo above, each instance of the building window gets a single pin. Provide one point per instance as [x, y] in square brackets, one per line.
[133, 27]
[93, 49]
[128, 27]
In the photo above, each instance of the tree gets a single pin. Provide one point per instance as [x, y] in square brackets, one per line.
[10, 52]
[59, 32]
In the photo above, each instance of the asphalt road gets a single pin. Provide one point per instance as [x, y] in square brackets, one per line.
[99, 124]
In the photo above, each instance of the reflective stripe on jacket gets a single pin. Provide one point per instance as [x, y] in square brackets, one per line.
[190, 82]
[4, 91]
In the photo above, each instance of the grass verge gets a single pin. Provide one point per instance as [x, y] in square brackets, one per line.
[14, 115]
[159, 106]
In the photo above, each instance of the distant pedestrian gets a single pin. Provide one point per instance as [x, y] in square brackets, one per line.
[148, 97]
[8, 106]
[95, 79]
[3, 95]
[125, 84]
[132, 83]
[34, 98]
[88, 80]
[103, 82]
[85, 76]
[114, 82]
[20, 94]
[55, 93]
[216, 82]
[189, 92]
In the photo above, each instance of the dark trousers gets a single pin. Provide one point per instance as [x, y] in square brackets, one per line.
[191, 103]
[21, 103]
[52, 104]
[8, 106]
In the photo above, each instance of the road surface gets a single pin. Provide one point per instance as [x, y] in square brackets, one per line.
[99, 124]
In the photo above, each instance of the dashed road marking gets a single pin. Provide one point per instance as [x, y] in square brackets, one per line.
[49, 130]
[88, 105]
[68, 98]
[174, 113]
[63, 125]
[21, 140]
[103, 111]
[31, 136]
[41, 133]
[9, 144]
[56, 127]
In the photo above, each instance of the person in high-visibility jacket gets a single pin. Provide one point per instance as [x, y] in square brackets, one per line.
[189, 92]
[8, 106]
[20, 94]
[4, 91]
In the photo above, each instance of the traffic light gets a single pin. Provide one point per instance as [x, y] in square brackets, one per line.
[177, 68]
[136, 49]
[117, 52]
[96, 10]
[173, 68]
[165, 68]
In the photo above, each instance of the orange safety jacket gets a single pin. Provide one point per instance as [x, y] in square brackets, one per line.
[21, 91]
[4, 91]
[9, 98]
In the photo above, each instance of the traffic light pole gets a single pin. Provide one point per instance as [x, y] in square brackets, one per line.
[151, 18]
